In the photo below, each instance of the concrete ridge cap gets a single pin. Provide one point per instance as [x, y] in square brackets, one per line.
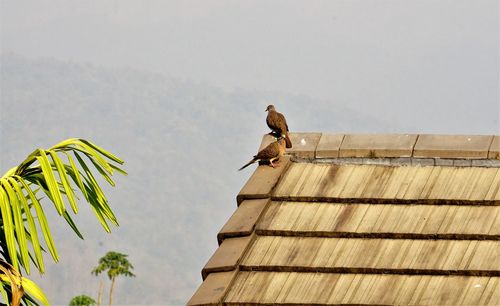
[313, 145]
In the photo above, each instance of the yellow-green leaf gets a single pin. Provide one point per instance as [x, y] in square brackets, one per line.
[17, 205]
[51, 182]
[103, 151]
[31, 225]
[44, 225]
[76, 174]
[35, 291]
[91, 180]
[8, 225]
[64, 180]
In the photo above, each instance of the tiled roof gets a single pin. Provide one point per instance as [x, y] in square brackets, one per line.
[364, 219]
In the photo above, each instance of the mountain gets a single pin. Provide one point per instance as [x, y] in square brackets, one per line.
[182, 142]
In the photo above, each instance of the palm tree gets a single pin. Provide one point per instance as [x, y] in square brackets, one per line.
[116, 264]
[55, 174]
[82, 300]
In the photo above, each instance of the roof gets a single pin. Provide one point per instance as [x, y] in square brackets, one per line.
[364, 219]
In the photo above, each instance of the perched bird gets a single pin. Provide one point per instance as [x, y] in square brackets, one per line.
[270, 153]
[277, 123]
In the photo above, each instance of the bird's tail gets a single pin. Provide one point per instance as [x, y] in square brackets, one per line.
[248, 164]
[288, 141]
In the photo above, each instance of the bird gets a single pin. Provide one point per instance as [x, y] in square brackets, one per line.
[272, 152]
[277, 123]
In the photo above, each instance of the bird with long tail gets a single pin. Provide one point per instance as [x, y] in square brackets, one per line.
[270, 153]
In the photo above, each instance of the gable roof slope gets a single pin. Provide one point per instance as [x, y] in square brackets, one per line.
[372, 219]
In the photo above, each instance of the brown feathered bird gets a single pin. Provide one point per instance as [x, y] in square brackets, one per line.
[277, 123]
[270, 153]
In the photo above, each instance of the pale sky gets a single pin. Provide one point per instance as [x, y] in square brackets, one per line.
[426, 66]
[432, 63]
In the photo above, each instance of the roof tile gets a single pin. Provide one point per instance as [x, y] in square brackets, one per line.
[370, 183]
[304, 144]
[329, 145]
[227, 256]
[378, 145]
[494, 152]
[212, 290]
[320, 219]
[243, 221]
[262, 181]
[453, 146]
[376, 255]
[379, 289]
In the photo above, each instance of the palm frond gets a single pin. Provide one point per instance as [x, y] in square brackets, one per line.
[55, 173]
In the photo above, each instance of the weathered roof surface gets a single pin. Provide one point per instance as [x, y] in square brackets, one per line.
[364, 219]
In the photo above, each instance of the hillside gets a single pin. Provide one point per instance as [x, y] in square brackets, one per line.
[182, 142]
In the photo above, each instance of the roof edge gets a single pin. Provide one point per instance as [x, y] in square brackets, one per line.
[317, 146]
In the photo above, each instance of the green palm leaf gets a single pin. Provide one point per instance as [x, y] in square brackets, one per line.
[41, 219]
[23, 222]
[8, 225]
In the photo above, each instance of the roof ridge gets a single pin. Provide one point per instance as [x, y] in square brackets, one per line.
[313, 145]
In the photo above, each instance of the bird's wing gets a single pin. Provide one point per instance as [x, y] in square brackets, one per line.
[274, 122]
[282, 122]
[271, 151]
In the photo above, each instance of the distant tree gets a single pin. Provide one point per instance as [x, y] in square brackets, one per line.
[82, 300]
[51, 175]
[115, 264]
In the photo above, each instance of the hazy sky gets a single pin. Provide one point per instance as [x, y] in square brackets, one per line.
[431, 66]
[432, 63]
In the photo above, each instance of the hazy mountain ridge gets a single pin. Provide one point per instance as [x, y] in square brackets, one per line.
[182, 142]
